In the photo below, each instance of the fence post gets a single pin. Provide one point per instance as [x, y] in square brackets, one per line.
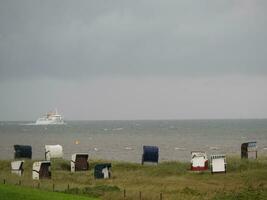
[140, 195]
[68, 187]
[160, 196]
[19, 182]
[53, 187]
[4, 181]
[124, 193]
[38, 185]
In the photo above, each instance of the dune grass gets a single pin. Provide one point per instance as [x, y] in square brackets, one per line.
[172, 179]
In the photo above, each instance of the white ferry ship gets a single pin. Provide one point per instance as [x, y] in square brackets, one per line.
[50, 118]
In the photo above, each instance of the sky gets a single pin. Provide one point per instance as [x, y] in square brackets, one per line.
[127, 60]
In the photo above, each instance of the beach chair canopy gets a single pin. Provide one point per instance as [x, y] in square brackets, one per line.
[218, 163]
[199, 161]
[102, 170]
[249, 150]
[79, 162]
[41, 170]
[53, 151]
[17, 167]
[22, 151]
[150, 154]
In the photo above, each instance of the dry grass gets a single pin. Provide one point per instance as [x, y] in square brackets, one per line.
[172, 179]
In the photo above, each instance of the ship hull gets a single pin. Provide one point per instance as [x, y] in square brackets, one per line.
[49, 123]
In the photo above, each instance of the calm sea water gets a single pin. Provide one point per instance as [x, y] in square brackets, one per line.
[123, 140]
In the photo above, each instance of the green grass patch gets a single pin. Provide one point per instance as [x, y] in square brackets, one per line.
[10, 192]
[95, 191]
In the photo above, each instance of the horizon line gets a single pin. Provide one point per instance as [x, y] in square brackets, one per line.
[166, 119]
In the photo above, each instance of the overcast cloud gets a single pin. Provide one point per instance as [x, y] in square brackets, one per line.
[133, 59]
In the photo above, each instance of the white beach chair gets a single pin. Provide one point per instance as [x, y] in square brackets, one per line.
[53, 151]
[218, 163]
[199, 161]
[17, 167]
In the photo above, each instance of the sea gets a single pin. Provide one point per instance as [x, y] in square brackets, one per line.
[124, 140]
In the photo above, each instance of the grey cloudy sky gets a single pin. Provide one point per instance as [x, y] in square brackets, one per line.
[133, 59]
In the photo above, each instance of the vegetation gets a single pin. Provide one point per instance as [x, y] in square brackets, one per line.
[245, 179]
[10, 192]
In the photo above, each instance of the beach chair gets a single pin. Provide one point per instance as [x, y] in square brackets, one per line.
[22, 151]
[102, 171]
[17, 167]
[79, 162]
[53, 151]
[218, 163]
[41, 170]
[249, 150]
[150, 154]
[199, 161]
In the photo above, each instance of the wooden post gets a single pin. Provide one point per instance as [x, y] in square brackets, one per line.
[140, 195]
[38, 185]
[4, 181]
[124, 193]
[160, 196]
[68, 187]
[53, 187]
[19, 182]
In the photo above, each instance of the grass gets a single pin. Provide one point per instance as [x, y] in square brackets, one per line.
[11, 192]
[247, 193]
[244, 178]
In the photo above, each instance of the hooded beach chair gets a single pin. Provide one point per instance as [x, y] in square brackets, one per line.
[17, 167]
[218, 163]
[199, 161]
[53, 151]
[249, 150]
[150, 154]
[102, 171]
[79, 162]
[22, 151]
[41, 170]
